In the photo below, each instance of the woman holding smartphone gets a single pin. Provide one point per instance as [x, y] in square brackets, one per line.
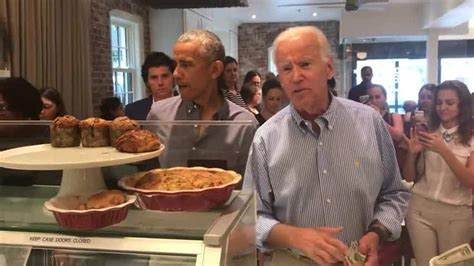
[378, 100]
[441, 162]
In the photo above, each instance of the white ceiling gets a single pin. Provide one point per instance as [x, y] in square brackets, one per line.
[297, 10]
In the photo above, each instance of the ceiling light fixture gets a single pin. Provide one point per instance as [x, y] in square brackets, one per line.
[315, 14]
[254, 16]
[361, 55]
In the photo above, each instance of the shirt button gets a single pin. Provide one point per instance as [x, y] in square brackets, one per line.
[320, 144]
[328, 200]
[325, 172]
[193, 148]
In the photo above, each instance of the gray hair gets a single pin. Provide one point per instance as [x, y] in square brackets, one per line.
[322, 43]
[210, 46]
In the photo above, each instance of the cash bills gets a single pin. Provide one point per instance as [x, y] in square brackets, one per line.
[459, 256]
[354, 257]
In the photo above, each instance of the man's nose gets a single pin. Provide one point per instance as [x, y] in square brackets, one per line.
[296, 75]
[176, 73]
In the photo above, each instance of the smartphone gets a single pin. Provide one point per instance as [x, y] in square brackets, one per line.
[364, 99]
[420, 122]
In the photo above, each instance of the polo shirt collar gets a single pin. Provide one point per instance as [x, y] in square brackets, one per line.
[327, 119]
[223, 113]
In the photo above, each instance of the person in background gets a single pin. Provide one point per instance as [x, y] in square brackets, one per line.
[425, 104]
[324, 167]
[361, 89]
[157, 74]
[252, 95]
[269, 76]
[53, 104]
[272, 97]
[111, 108]
[332, 86]
[409, 107]
[441, 163]
[199, 56]
[378, 101]
[425, 98]
[19, 100]
[253, 77]
[230, 78]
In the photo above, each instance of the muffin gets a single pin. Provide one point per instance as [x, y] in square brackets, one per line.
[94, 132]
[138, 140]
[119, 126]
[64, 132]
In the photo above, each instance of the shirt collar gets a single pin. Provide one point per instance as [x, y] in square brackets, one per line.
[448, 131]
[327, 119]
[222, 113]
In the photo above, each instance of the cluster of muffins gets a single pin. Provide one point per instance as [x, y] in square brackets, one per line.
[68, 131]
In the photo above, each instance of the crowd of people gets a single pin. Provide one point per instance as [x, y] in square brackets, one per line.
[327, 171]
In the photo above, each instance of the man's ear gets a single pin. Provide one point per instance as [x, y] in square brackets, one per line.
[217, 67]
[330, 69]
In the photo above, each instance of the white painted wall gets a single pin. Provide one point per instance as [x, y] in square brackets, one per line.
[166, 25]
[442, 13]
[403, 20]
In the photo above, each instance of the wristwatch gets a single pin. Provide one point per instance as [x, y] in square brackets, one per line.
[380, 230]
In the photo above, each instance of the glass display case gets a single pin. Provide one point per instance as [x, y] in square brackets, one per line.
[30, 235]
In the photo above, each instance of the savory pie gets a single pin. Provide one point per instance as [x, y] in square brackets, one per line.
[183, 179]
[104, 199]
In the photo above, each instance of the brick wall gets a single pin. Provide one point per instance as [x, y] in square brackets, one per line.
[100, 47]
[256, 38]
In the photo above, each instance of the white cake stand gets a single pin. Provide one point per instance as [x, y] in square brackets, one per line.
[81, 166]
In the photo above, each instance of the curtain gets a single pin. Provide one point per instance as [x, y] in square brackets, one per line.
[4, 38]
[50, 47]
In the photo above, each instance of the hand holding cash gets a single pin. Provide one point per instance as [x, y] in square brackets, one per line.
[459, 256]
[354, 257]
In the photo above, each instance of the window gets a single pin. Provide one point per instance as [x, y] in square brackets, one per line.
[402, 78]
[271, 65]
[458, 69]
[125, 31]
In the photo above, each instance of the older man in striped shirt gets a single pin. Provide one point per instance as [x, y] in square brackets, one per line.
[324, 167]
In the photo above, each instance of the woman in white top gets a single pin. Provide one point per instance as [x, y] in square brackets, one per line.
[441, 163]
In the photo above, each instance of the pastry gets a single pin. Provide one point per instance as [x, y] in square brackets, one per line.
[104, 199]
[119, 126]
[138, 140]
[183, 179]
[64, 132]
[94, 132]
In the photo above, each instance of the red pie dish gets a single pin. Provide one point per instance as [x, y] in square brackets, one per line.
[181, 188]
[67, 213]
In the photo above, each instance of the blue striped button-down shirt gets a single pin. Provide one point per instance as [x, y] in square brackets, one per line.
[345, 176]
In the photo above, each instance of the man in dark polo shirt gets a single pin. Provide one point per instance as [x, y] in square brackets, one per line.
[199, 59]
[361, 89]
